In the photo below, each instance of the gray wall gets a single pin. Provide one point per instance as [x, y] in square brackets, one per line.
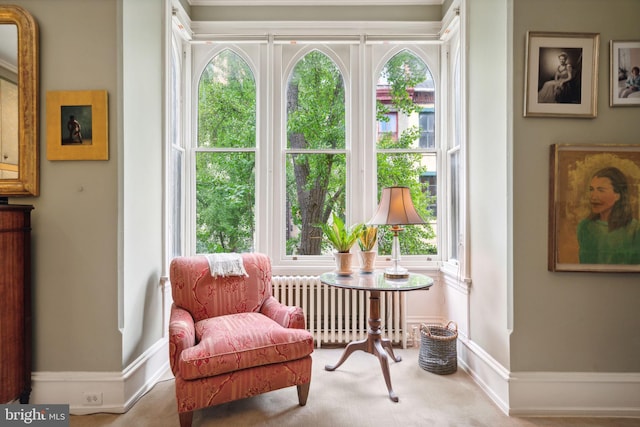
[524, 316]
[568, 321]
[97, 225]
[97, 248]
[75, 217]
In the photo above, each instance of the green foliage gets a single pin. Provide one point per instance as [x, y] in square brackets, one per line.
[315, 169]
[403, 71]
[339, 235]
[227, 103]
[315, 179]
[316, 90]
[367, 237]
[225, 181]
[225, 198]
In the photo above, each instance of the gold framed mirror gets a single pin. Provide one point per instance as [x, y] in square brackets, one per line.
[19, 103]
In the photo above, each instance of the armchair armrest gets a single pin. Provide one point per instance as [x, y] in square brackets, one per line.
[287, 316]
[181, 335]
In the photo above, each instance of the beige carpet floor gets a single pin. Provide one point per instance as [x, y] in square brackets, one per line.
[352, 396]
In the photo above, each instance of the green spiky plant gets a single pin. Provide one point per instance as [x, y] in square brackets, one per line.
[367, 237]
[339, 235]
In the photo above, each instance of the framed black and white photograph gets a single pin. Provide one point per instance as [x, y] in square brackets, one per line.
[624, 73]
[561, 75]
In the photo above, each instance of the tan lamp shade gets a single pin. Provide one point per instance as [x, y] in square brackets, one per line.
[396, 208]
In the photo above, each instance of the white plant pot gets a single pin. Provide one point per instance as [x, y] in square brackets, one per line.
[367, 261]
[343, 263]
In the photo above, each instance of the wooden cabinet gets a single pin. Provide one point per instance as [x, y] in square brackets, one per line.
[15, 303]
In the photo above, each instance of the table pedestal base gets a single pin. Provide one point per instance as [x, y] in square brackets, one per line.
[373, 344]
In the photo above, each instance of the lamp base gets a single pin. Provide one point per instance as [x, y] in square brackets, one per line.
[396, 275]
[396, 272]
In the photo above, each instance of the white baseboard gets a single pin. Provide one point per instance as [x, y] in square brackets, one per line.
[582, 394]
[117, 391]
[575, 394]
[491, 376]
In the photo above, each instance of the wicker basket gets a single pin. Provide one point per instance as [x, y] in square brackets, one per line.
[438, 352]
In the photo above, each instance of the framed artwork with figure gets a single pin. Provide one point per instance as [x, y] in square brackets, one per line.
[561, 75]
[594, 208]
[77, 125]
[625, 73]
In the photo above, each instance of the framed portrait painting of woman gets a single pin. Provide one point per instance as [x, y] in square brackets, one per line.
[561, 75]
[594, 208]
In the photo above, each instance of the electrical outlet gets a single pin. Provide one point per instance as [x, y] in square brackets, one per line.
[91, 398]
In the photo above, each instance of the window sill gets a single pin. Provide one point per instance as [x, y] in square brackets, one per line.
[316, 267]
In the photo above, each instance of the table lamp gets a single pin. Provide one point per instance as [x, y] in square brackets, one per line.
[396, 209]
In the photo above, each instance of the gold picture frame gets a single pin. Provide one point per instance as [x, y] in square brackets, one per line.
[593, 209]
[561, 74]
[77, 125]
[624, 57]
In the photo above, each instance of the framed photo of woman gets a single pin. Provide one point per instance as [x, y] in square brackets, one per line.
[561, 75]
[594, 208]
[624, 73]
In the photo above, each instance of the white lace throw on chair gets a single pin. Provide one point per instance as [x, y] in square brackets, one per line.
[226, 265]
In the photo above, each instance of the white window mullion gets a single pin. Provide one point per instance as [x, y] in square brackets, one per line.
[264, 151]
[188, 128]
[278, 196]
[370, 130]
[356, 138]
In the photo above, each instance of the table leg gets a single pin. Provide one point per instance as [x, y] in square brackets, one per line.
[384, 364]
[373, 344]
[386, 344]
[351, 347]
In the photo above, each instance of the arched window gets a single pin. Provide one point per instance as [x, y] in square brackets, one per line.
[405, 95]
[316, 156]
[225, 156]
[282, 133]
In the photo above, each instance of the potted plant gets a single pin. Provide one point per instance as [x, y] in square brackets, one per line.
[367, 240]
[342, 238]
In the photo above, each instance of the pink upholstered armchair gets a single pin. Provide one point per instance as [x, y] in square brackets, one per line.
[229, 338]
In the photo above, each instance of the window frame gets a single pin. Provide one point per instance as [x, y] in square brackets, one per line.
[193, 148]
[270, 75]
[176, 137]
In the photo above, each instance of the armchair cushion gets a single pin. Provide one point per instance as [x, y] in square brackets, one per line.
[239, 341]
